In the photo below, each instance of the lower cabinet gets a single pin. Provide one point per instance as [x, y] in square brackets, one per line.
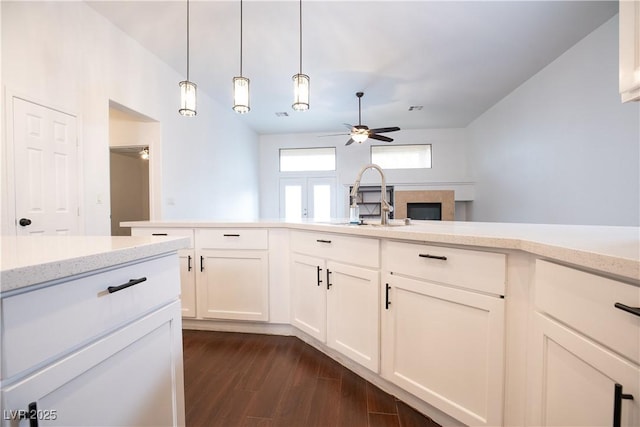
[446, 346]
[337, 304]
[233, 285]
[575, 382]
[127, 378]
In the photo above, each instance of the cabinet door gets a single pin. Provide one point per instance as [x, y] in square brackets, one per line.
[233, 284]
[188, 282]
[573, 380]
[132, 377]
[309, 295]
[446, 346]
[353, 313]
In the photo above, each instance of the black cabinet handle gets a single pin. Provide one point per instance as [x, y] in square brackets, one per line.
[323, 241]
[618, 396]
[132, 282]
[632, 310]
[201, 263]
[387, 303]
[24, 222]
[318, 272]
[231, 235]
[159, 234]
[189, 263]
[31, 414]
[329, 284]
[443, 258]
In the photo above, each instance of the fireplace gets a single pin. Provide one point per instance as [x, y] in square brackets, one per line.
[428, 204]
[431, 211]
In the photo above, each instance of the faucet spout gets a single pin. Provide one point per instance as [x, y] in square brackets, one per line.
[385, 207]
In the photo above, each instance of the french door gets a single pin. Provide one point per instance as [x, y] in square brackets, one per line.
[308, 198]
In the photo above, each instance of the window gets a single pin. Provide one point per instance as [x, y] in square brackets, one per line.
[307, 159]
[401, 156]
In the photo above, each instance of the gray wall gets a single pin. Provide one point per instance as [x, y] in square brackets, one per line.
[561, 148]
[129, 191]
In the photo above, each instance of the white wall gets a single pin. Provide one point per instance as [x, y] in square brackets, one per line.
[449, 152]
[561, 148]
[65, 55]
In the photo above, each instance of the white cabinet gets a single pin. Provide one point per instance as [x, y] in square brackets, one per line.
[584, 350]
[91, 357]
[187, 263]
[629, 50]
[441, 341]
[232, 275]
[334, 300]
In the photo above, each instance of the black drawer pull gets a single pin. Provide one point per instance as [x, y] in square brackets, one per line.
[189, 263]
[201, 263]
[231, 235]
[329, 284]
[443, 258]
[618, 396]
[130, 283]
[30, 414]
[319, 271]
[323, 241]
[632, 310]
[159, 234]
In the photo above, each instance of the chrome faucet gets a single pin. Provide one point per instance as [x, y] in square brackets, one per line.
[385, 207]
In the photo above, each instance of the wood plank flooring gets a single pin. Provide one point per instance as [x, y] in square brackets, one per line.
[234, 379]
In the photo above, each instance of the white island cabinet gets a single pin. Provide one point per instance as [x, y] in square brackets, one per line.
[585, 349]
[93, 339]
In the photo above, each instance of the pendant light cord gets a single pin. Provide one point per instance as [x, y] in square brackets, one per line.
[300, 36]
[240, 38]
[187, 40]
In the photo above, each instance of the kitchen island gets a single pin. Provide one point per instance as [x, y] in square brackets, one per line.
[470, 323]
[91, 331]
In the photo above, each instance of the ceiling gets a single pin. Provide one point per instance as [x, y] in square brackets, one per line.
[454, 58]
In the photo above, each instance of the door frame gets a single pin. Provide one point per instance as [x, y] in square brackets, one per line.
[9, 226]
[306, 183]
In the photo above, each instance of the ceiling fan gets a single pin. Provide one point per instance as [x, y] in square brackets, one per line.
[360, 133]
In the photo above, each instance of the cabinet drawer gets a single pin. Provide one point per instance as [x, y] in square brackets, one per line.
[47, 322]
[347, 249]
[174, 232]
[586, 302]
[477, 270]
[225, 238]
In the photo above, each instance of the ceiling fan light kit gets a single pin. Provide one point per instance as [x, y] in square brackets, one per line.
[360, 133]
[241, 84]
[187, 88]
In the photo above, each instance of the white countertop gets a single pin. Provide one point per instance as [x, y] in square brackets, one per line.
[609, 249]
[27, 261]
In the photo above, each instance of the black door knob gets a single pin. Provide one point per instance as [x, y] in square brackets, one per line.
[24, 222]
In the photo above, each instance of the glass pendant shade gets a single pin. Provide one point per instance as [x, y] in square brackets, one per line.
[359, 137]
[187, 98]
[300, 92]
[241, 95]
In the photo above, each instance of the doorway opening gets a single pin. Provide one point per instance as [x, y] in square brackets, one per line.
[132, 138]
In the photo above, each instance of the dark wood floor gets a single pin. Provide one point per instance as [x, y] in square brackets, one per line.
[236, 379]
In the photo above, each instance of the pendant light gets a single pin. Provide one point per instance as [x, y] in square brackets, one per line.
[300, 81]
[187, 88]
[241, 84]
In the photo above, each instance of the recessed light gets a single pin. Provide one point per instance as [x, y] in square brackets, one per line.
[415, 108]
[282, 114]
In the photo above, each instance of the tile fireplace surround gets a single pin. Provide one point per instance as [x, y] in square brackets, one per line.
[446, 197]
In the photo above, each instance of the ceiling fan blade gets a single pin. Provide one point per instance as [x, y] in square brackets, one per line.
[348, 125]
[350, 141]
[383, 130]
[380, 137]
[333, 134]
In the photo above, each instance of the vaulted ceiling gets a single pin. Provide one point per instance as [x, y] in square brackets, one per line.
[455, 59]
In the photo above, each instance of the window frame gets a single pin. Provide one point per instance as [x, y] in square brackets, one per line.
[404, 145]
[335, 160]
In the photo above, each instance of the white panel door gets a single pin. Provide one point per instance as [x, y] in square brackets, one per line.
[312, 198]
[309, 295]
[353, 312]
[46, 170]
